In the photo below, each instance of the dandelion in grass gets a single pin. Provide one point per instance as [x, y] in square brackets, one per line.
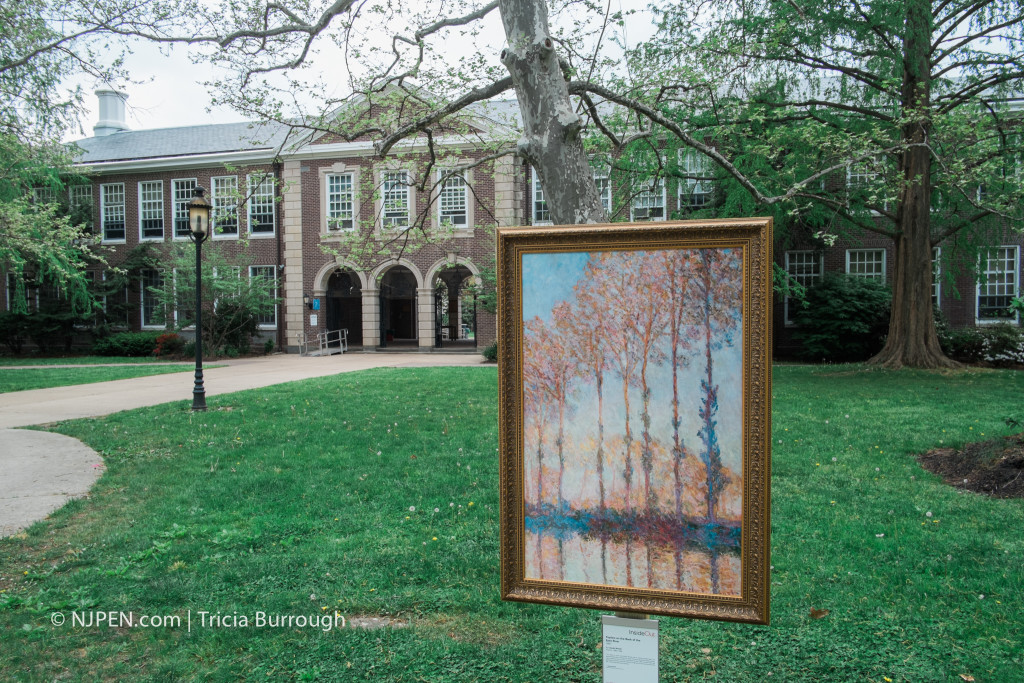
[412, 508]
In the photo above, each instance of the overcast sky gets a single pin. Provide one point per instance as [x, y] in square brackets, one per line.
[170, 92]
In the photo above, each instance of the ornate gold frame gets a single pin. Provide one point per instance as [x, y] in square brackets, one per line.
[754, 237]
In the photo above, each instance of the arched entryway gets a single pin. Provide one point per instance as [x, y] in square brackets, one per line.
[398, 308]
[345, 305]
[454, 308]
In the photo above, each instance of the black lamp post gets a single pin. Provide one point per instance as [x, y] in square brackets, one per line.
[199, 231]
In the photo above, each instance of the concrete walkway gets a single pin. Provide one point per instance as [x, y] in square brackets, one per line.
[41, 471]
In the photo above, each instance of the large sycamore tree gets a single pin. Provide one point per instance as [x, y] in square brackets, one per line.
[912, 105]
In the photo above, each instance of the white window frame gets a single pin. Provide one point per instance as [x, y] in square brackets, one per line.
[803, 278]
[122, 324]
[642, 199]
[106, 205]
[272, 270]
[177, 301]
[224, 205]
[259, 194]
[1012, 285]
[396, 188]
[336, 223]
[151, 205]
[694, 163]
[143, 294]
[874, 276]
[179, 204]
[857, 178]
[936, 276]
[601, 172]
[43, 195]
[443, 178]
[78, 195]
[539, 212]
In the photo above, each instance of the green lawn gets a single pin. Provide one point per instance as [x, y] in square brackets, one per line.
[77, 360]
[318, 496]
[20, 379]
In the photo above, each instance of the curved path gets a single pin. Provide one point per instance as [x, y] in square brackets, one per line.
[42, 471]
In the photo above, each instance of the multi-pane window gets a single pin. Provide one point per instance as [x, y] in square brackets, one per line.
[999, 282]
[541, 215]
[14, 284]
[112, 211]
[182, 192]
[604, 186]
[395, 195]
[936, 275]
[261, 204]
[804, 267]
[340, 202]
[80, 202]
[43, 195]
[115, 304]
[224, 194]
[648, 200]
[268, 320]
[151, 209]
[695, 185]
[868, 263]
[151, 280]
[184, 297]
[79, 196]
[860, 175]
[453, 201]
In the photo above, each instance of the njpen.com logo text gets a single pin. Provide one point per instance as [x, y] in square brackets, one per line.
[198, 619]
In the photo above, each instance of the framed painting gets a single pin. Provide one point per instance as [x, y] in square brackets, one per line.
[635, 416]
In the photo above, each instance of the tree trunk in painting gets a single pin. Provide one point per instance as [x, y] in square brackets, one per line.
[718, 318]
[585, 323]
[611, 276]
[676, 264]
[651, 323]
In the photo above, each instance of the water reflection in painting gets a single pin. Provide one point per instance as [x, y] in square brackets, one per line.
[633, 439]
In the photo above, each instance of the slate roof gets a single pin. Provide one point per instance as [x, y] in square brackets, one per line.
[184, 141]
[216, 138]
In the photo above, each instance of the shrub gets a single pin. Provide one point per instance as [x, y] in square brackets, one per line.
[169, 345]
[845, 319]
[268, 347]
[999, 345]
[490, 352]
[133, 344]
[13, 331]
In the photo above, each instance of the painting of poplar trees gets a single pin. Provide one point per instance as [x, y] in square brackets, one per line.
[633, 418]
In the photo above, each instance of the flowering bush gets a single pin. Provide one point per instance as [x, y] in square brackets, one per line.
[1001, 345]
[169, 345]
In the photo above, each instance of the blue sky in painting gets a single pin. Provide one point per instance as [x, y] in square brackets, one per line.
[548, 279]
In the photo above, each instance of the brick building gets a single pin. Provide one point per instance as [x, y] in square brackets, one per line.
[325, 218]
[328, 221]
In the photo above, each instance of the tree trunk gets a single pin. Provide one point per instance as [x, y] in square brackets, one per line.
[912, 341]
[551, 129]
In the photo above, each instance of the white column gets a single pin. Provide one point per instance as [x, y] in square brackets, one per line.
[291, 227]
[425, 316]
[371, 319]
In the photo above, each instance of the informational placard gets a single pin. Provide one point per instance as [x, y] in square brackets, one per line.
[630, 648]
[313, 320]
[316, 304]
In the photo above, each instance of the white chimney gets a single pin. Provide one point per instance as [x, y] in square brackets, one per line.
[111, 112]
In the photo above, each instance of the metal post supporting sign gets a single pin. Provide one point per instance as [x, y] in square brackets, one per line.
[630, 649]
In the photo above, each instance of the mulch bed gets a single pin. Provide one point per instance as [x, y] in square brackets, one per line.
[994, 468]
